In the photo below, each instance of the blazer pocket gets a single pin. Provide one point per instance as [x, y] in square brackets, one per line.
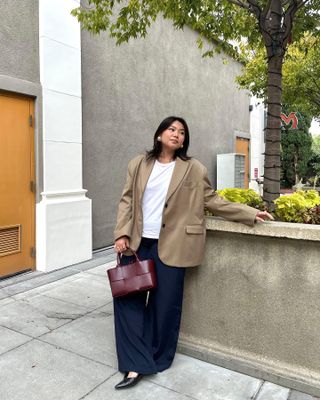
[195, 229]
[189, 184]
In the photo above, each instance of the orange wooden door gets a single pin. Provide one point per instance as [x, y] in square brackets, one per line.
[17, 199]
[242, 147]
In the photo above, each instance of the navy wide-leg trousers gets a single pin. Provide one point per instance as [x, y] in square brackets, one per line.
[147, 327]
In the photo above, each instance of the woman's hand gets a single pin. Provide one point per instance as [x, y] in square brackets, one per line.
[122, 244]
[263, 215]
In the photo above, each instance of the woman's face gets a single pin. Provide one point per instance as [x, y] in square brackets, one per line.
[173, 137]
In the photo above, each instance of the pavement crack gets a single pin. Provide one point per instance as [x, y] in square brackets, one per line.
[64, 316]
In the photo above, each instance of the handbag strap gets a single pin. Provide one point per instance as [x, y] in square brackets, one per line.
[119, 255]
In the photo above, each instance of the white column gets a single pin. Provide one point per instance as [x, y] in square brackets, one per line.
[257, 143]
[63, 220]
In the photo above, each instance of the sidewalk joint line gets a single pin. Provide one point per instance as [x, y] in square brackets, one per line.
[172, 390]
[84, 396]
[20, 345]
[16, 331]
[73, 352]
[74, 304]
[255, 396]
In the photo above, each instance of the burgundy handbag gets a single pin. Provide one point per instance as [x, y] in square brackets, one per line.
[134, 277]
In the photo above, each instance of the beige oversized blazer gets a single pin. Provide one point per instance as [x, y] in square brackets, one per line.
[182, 236]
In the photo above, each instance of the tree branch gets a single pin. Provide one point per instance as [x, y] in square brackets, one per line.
[254, 3]
[315, 82]
[288, 21]
[263, 20]
[266, 9]
[239, 3]
[301, 3]
[254, 6]
[261, 16]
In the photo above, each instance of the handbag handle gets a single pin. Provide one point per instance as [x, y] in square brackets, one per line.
[132, 251]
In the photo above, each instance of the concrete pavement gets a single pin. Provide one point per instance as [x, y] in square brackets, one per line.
[57, 343]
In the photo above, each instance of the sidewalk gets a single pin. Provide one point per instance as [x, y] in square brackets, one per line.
[57, 342]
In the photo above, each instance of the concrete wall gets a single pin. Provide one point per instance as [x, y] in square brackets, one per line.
[253, 305]
[19, 39]
[128, 90]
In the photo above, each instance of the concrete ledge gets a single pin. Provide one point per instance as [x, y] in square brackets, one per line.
[254, 306]
[273, 229]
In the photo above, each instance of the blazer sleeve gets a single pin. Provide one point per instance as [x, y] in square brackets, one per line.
[224, 208]
[124, 216]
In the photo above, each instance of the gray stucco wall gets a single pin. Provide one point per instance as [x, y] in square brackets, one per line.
[19, 39]
[128, 90]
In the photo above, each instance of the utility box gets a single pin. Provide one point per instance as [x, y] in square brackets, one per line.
[230, 170]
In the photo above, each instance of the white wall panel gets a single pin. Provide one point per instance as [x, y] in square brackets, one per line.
[60, 67]
[65, 236]
[57, 23]
[62, 117]
[63, 166]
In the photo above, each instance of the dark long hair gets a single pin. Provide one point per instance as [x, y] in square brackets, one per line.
[157, 145]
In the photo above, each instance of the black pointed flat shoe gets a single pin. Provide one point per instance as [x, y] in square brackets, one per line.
[128, 382]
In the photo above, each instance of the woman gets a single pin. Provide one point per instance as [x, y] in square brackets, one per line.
[161, 216]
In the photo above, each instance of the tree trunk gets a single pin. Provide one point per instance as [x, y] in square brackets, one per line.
[270, 23]
[271, 186]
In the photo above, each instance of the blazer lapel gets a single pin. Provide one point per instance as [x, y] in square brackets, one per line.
[179, 172]
[146, 169]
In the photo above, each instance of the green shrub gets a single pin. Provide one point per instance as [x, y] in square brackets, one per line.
[301, 206]
[244, 196]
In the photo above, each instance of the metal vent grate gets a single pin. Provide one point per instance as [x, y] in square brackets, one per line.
[10, 242]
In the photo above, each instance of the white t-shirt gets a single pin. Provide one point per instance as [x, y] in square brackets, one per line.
[154, 197]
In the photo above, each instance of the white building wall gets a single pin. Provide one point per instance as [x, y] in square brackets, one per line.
[63, 221]
[257, 122]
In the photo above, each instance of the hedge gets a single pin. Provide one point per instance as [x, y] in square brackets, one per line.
[300, 207]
